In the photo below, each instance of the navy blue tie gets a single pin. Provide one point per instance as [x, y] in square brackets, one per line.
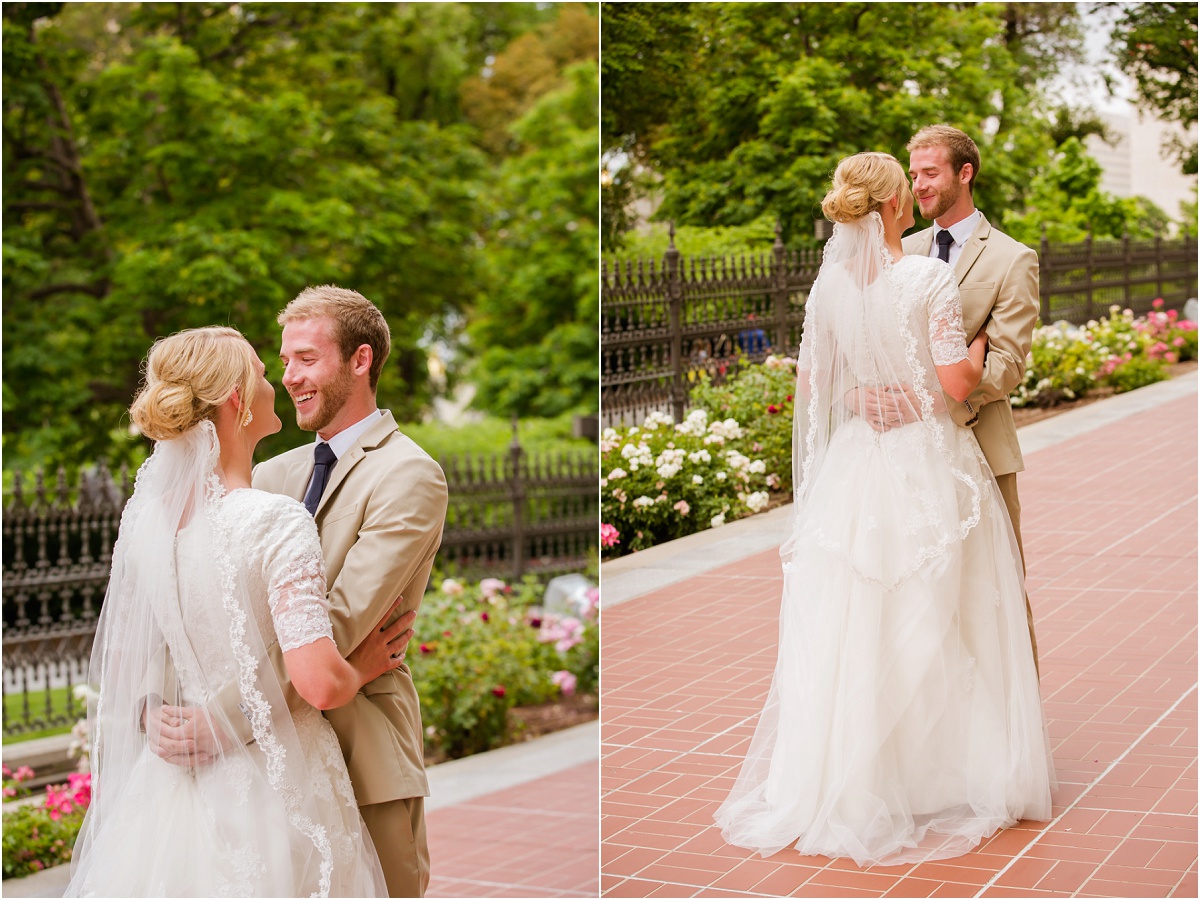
[944, 240]
[325, 460]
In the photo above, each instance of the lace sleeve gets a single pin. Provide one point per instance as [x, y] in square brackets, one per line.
[295, 575]
[947, 341]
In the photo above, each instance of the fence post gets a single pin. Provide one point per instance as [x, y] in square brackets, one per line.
[1128, 265]
[780, 277]
[1044, 269]
[516, 491]
[675, 298]
[1091, 273]
[1158, 261]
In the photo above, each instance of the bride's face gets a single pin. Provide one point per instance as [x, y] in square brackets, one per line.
[907, 219]
[265, 420]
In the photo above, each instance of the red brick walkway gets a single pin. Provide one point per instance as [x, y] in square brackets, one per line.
[1110, 531]
[538, 839]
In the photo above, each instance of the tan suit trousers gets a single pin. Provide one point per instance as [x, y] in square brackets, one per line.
[1008, 490]
[398, 832]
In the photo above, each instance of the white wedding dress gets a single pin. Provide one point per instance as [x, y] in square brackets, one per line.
[904, 721]
[276, 817]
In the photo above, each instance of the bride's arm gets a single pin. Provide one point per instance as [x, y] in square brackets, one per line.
[326, 680]
[960, 378]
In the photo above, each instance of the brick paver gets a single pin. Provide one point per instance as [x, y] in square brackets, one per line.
[538, 839]
[1109, 525]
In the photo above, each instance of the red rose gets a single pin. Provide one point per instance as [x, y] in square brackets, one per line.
[498, 691]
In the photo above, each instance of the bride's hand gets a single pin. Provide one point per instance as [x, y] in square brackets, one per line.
[383, 648]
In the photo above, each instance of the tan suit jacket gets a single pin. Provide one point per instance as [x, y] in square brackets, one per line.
[380, 521]
[998, 281]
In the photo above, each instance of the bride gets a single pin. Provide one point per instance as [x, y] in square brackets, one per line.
[206, 574]
[904, 721]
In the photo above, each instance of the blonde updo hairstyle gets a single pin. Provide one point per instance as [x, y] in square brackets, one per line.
[189, 375]
[862, 184]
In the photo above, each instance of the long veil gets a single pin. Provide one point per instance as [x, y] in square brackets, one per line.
[252, 819]
[860, 334]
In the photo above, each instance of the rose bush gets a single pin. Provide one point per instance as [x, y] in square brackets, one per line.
[37, 836]
[1120, 350]
[662, 480]
[482, 649]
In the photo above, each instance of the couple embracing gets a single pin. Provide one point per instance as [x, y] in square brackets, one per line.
[904, 721]
[240, 605]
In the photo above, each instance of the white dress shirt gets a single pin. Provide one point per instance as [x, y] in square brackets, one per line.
[344, 439]
[960, 231]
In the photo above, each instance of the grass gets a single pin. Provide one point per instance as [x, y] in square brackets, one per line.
[37, 708]
[492, 436]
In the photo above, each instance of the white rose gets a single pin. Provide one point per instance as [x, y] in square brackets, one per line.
[718, 520]
[696, 479]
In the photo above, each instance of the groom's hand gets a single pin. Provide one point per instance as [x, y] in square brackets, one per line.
[184, 735]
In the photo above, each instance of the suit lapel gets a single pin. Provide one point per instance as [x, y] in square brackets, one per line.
[972, 248]
[370, 439]
[299, 473]
[921, 242]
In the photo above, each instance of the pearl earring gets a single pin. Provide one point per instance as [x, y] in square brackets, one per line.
[249, 418]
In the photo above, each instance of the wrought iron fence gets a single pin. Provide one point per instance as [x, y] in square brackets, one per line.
[509, 515]
[663, 323]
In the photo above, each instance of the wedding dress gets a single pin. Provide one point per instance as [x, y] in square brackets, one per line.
[904, 721]
[203, 581]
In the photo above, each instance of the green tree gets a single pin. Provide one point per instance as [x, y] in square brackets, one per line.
[173, 165]
[534, 335]
[770, 96]
[1066, 198]
[1155, 45]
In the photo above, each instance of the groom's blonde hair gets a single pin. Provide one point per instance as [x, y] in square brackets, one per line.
[356, 321]
[959, 147]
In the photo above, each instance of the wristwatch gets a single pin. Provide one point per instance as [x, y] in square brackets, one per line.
[973, 411]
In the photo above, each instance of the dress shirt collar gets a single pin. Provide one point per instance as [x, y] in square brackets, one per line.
[344, 439]
[960, 231]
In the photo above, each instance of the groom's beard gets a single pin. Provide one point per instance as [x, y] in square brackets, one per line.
[942, 201]
[332, 397]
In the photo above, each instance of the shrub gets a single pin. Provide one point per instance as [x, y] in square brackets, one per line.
[1120, 350]
[485, 648]
[662, 481]
[1135, 373]
[38, 837]
[760, 399]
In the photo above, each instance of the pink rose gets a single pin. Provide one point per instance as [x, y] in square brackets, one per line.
[565, 680]
[490, 587]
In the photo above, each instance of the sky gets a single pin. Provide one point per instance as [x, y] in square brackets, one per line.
[1084, 84]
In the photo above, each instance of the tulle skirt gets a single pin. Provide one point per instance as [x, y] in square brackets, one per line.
[221, 830]
[904, 721]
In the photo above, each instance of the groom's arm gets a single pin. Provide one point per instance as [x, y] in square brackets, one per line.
[399, 535]
[1010, 335]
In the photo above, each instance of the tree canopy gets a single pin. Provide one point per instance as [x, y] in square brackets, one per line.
[175, 165]
[1155, 45]
[744, 109]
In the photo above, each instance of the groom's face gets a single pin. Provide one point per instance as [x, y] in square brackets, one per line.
[935, 184]
[316, 377]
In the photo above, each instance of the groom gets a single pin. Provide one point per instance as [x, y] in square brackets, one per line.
[998, 281]
[380, 504]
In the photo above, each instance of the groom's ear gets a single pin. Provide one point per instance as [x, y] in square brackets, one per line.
[362, 359]
[966, 173]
